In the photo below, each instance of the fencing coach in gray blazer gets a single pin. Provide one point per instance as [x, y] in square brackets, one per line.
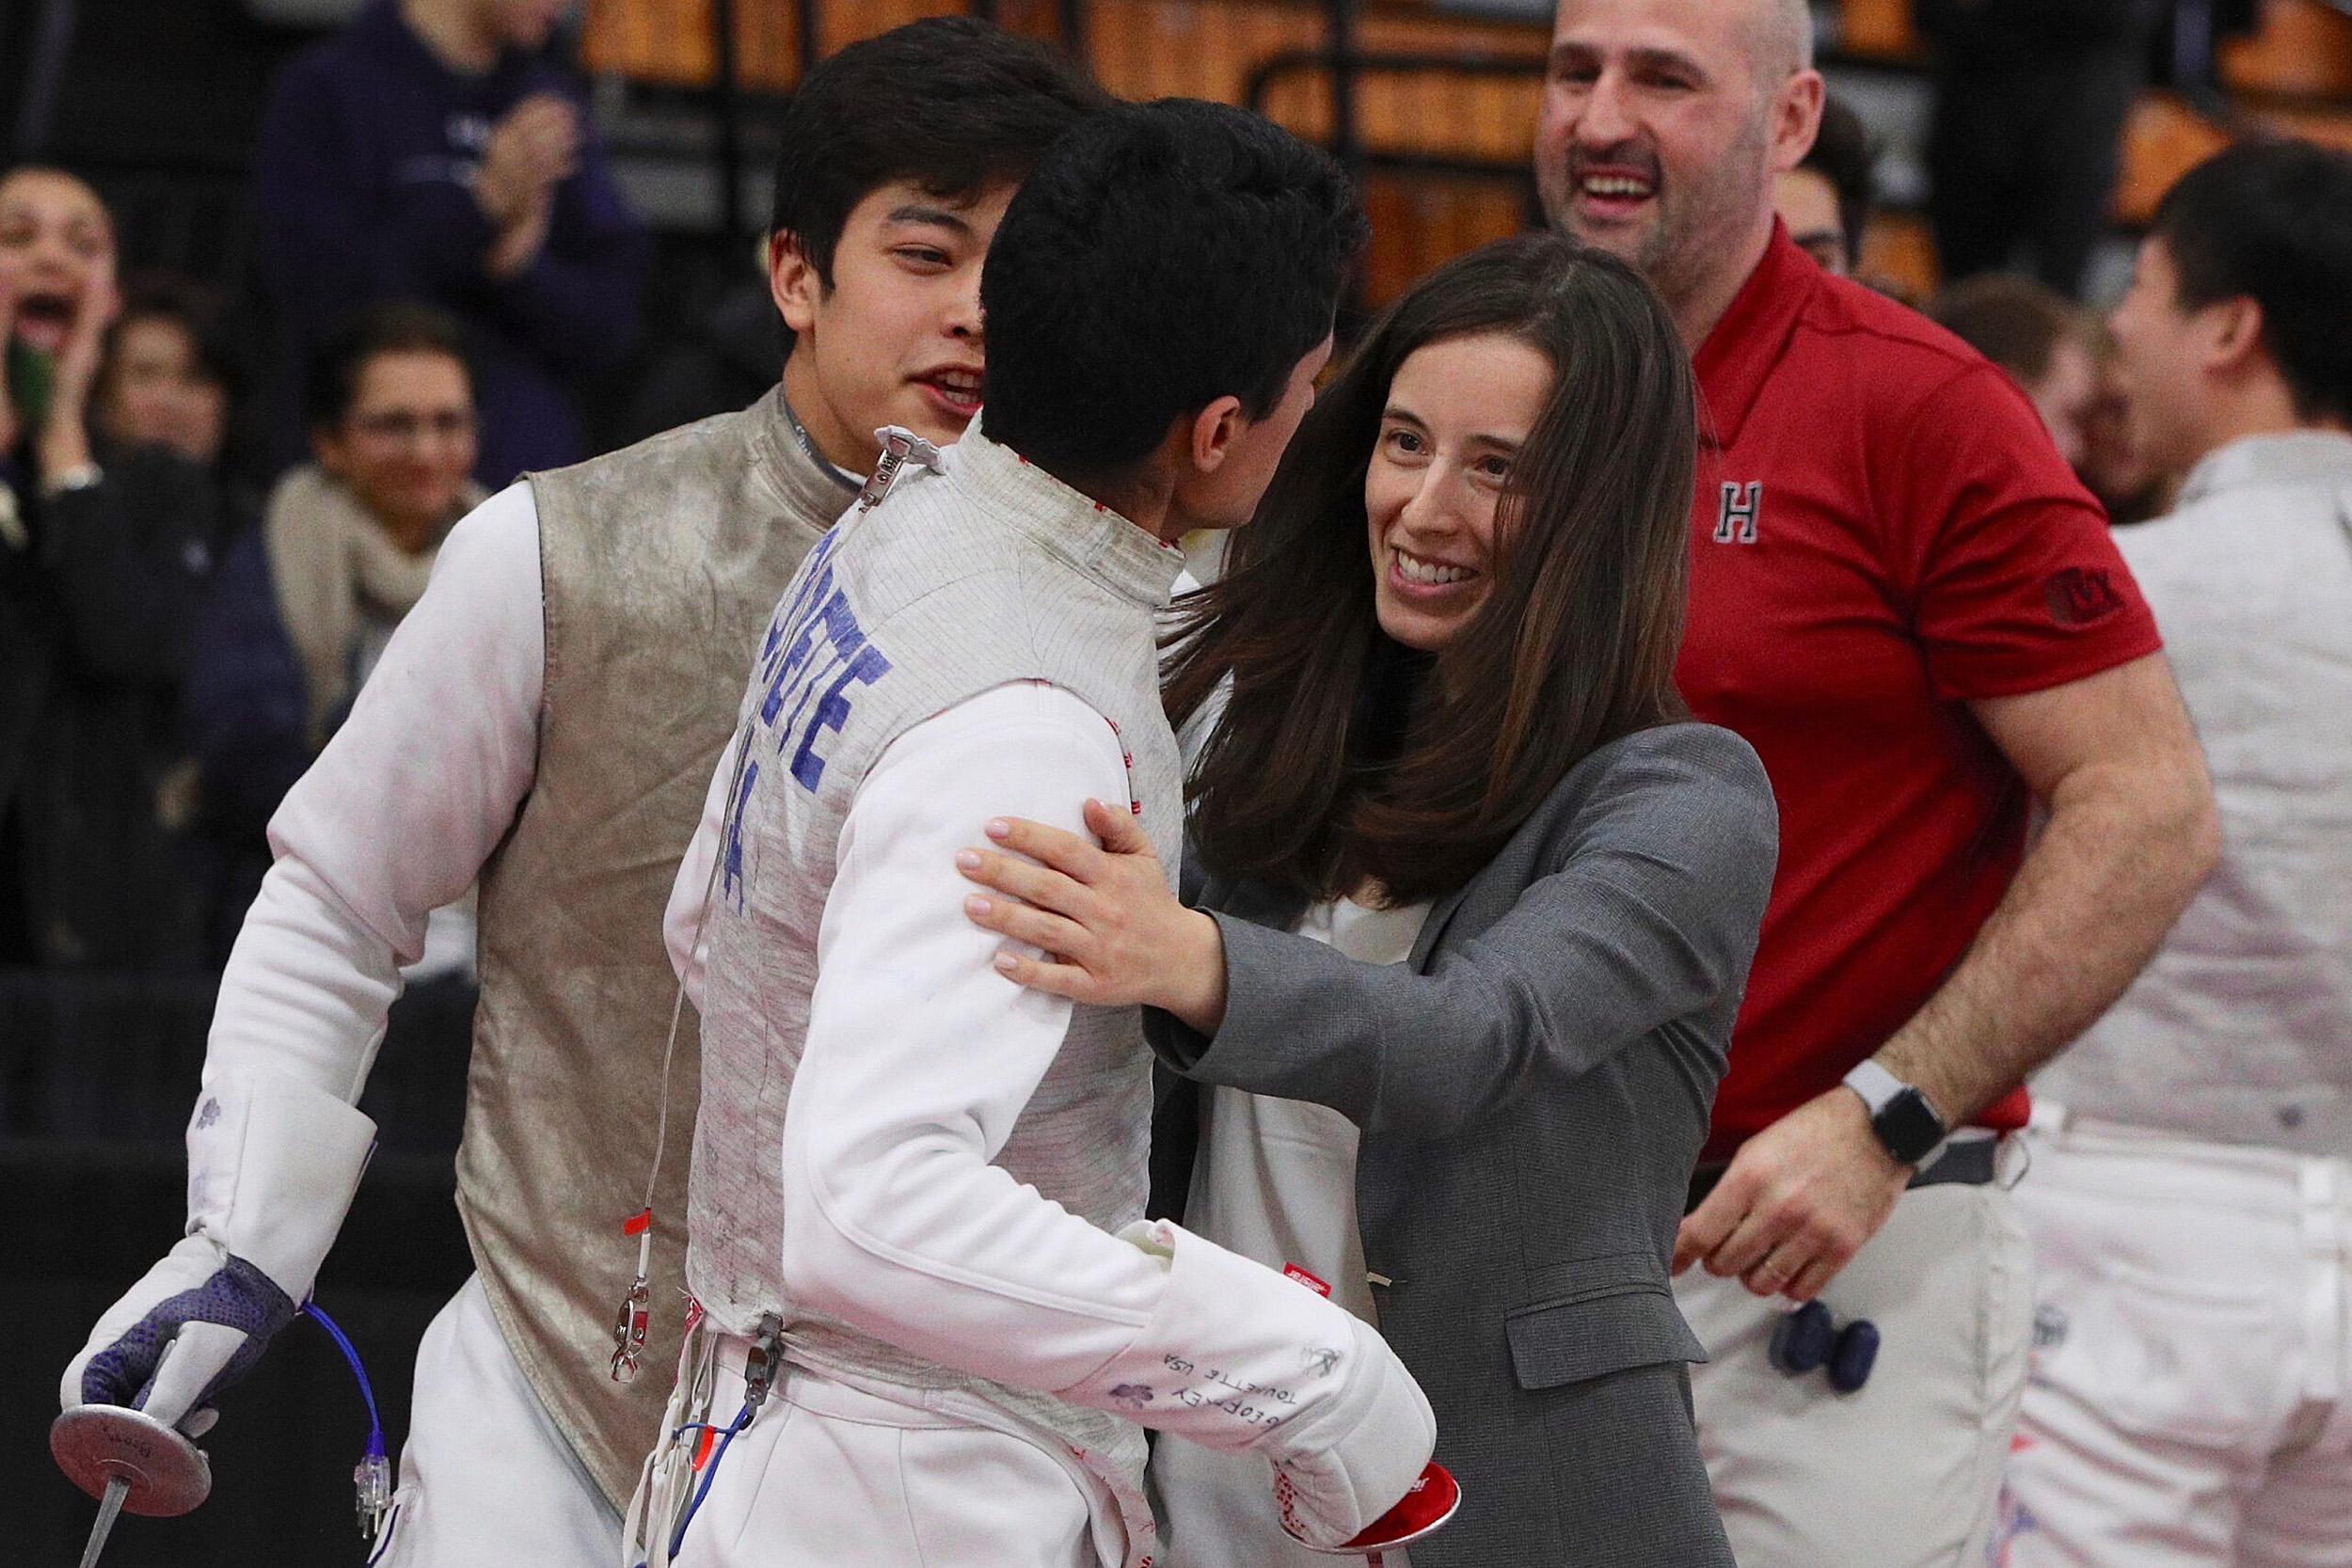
[1445, 654]
[1533, 1087]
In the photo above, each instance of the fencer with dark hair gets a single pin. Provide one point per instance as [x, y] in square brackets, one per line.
[2190, 1197]
[917, 1186]
[542, 721]
[1473, 884]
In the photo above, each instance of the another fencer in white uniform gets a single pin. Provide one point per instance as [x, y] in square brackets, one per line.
[2190, 1399]
[545, 719]
[933, 1320]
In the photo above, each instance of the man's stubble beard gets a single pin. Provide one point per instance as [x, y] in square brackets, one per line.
[1697, 226]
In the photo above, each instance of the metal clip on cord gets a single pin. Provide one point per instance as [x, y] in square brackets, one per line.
[762, 1358]
[899, 447]
[631, 1324]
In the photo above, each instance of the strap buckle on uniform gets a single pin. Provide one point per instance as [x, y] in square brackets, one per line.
[762, 1359]
[629, 1329]
[899, 447]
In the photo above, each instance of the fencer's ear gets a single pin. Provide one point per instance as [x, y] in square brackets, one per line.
[2232, 332]
[792, 282]
[1214, 431]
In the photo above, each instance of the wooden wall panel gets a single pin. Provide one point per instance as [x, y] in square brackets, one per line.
[1878, 28]
[2163, 140]
[1420, 220]
[1899, 257]
[2303, 49]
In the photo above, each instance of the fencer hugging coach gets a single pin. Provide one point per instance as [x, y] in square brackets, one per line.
[1472, 882]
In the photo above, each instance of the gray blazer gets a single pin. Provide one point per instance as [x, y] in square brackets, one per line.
[1533, 1087]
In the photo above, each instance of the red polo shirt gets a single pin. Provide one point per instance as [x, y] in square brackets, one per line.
[1883, 533]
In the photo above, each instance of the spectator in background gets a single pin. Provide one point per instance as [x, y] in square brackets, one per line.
[2029, 107]
[2048, 345]
[2190, 1197]
[166, 380]
[105, 551]
[306, 603]
[429, 153]
[1826, 201]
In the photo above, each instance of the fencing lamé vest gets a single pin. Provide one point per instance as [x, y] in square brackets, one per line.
[659, 564]
[989, 573]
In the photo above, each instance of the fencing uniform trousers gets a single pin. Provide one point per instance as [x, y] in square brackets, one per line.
[1903, 1473]
[486, 1479]
[2186, 1403]
[829, 1475]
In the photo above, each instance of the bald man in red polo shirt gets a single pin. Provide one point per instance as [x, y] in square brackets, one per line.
[1901, 596]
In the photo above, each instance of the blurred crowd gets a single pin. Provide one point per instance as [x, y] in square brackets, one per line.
[446, 260]
[207, 535]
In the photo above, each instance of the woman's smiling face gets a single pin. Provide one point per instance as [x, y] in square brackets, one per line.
[1458, 411]
[57, 249]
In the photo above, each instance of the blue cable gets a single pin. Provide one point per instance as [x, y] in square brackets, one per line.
[375, 1426]
[373, 1475]
[710, 1473]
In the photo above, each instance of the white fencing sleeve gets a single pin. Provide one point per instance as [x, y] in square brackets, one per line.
[393, 820]
[920, 1057]
[398, 814]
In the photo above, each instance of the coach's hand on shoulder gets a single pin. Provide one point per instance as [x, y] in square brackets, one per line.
[1799, 1200]
[1110, 930]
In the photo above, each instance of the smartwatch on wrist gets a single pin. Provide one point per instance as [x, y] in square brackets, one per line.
[1900, 1113]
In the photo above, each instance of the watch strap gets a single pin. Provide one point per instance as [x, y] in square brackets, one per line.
[1877, 1087]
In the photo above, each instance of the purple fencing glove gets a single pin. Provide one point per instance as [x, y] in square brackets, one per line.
[273, 1162]
[221, 1325]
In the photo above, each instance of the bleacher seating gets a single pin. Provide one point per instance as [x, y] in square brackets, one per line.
[1445, 104]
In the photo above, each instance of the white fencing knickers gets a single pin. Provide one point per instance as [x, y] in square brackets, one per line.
[828, 1474]
[1904, 1472]
[486, 1479]
[2187, 1402]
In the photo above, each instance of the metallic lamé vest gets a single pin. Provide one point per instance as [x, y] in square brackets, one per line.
[659, 566]
[989, 574]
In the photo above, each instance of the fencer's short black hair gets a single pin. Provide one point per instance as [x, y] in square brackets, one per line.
[1160, 257]
[950, 103]
[2272, 222]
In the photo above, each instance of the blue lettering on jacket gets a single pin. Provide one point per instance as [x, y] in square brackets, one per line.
[814, 654]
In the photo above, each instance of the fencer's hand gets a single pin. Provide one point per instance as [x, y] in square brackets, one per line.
[1363, 1453]
[220, 1311]
[1111, 932]
[1799, 1200]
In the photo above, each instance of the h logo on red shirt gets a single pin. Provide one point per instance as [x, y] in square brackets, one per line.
[1742, 505]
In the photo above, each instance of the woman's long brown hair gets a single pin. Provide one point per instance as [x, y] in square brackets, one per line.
[1340, 756]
